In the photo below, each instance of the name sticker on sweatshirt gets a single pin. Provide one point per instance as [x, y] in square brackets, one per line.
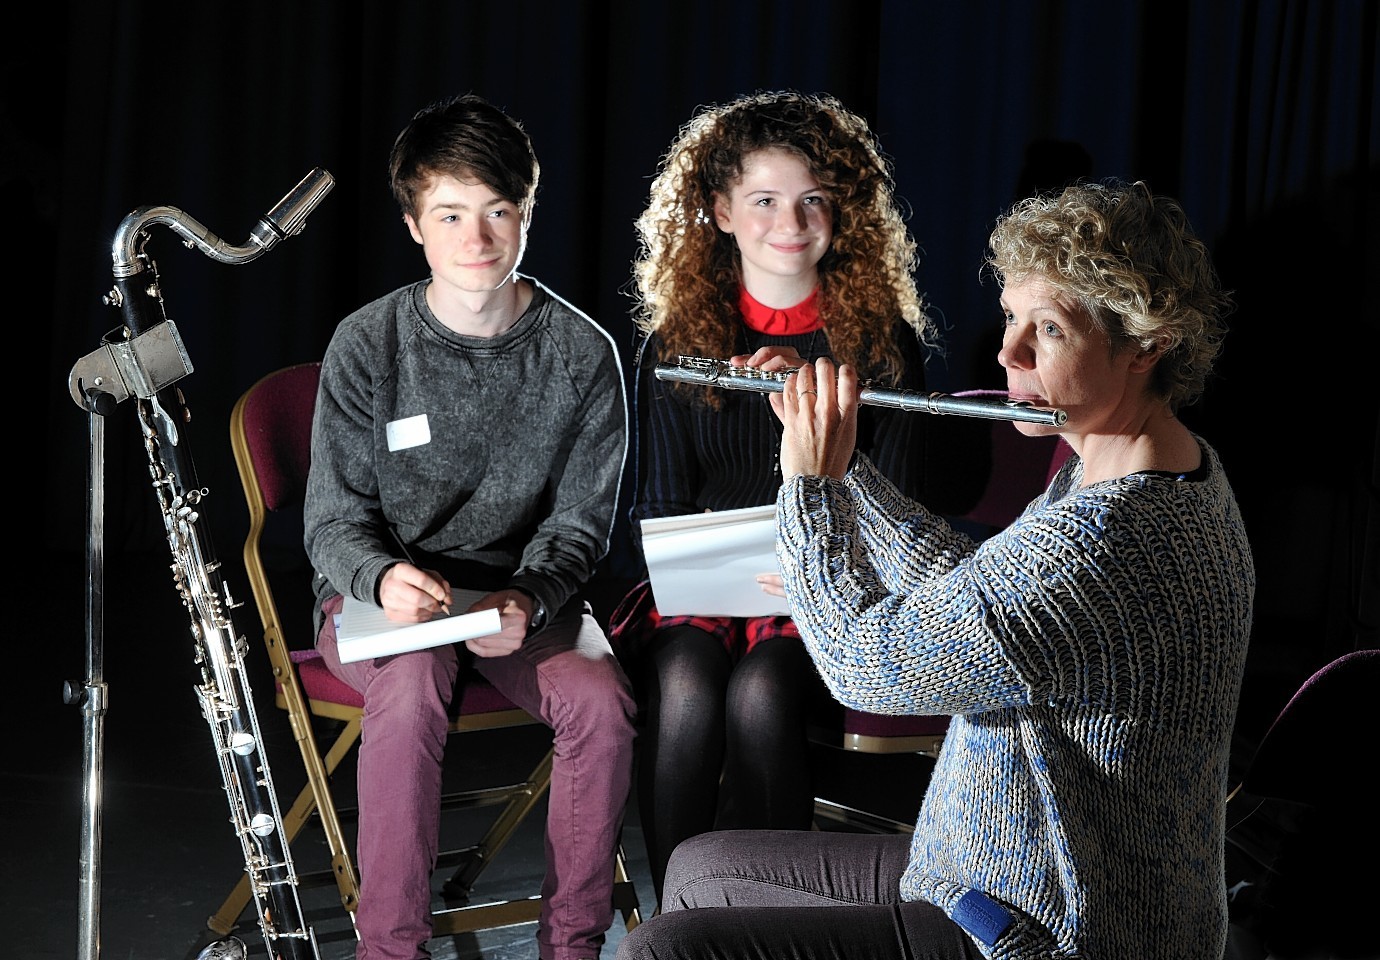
[410, 432]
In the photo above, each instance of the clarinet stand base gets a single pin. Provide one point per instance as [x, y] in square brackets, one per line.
[231, 948]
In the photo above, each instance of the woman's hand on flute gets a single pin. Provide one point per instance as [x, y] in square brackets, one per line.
[818, 410]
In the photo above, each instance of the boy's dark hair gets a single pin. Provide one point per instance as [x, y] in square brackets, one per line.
[468, 138]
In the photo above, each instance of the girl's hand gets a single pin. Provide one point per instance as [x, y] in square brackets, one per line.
[770, 359]
[771, 583]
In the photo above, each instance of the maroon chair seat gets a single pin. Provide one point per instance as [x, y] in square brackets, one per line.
[882, 733]
[477, 695]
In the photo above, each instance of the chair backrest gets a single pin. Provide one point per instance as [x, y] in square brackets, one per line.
[276, 414]
[1309, 748]
[1022, 468]
[1301, 840]
[270, 434]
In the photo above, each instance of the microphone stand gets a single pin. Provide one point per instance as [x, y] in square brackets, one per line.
[91, 698]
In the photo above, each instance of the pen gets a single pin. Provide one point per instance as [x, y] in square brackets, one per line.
[407, 555]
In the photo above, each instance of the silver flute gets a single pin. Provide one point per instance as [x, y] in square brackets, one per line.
[720, 373]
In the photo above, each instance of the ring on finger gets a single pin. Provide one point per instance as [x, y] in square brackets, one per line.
[813, 393]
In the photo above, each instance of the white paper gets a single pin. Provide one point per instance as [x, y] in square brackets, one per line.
[363, 631]
[706, 564]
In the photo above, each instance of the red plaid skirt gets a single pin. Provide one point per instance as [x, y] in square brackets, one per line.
[636, 619]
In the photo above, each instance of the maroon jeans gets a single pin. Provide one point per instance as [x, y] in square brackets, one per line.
[568, 676]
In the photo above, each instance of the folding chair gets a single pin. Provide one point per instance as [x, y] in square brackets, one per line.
[1302, 846]
[861, 732]
[270, 434]
[1021, 468]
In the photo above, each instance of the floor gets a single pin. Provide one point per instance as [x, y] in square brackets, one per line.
[166, 854]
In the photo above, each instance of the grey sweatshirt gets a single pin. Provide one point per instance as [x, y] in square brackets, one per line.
[496, 460]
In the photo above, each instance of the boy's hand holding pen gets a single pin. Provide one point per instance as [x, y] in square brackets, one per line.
[411, 594]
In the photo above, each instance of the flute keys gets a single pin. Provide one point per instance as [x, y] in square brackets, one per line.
[754, 373]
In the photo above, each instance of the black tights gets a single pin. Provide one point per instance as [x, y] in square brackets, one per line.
[723, 746]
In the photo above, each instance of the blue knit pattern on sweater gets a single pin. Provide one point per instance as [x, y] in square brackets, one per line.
[1090, 657]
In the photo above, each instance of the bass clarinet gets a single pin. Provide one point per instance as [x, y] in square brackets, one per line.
[142, 359]
[720, 373]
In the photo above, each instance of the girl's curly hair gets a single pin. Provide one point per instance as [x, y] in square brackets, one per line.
[686, 276]
[1132, 261]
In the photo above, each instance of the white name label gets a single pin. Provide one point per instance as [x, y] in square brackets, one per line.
[411, 432]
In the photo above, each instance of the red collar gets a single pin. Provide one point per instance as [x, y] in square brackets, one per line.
[801, 318]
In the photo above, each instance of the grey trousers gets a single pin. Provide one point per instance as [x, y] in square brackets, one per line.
[810, 895]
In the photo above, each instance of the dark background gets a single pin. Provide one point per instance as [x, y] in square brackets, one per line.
[1262, 117]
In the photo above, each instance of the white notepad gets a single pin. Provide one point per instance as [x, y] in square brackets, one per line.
[363, 631]
[706, 564]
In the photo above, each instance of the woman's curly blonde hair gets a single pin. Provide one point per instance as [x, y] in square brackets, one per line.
[686, 277]
[1132, 261]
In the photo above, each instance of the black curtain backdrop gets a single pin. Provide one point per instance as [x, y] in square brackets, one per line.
[1260, 115]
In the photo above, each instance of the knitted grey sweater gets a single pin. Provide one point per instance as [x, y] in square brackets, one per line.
[1090, 656]
[497, 460]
